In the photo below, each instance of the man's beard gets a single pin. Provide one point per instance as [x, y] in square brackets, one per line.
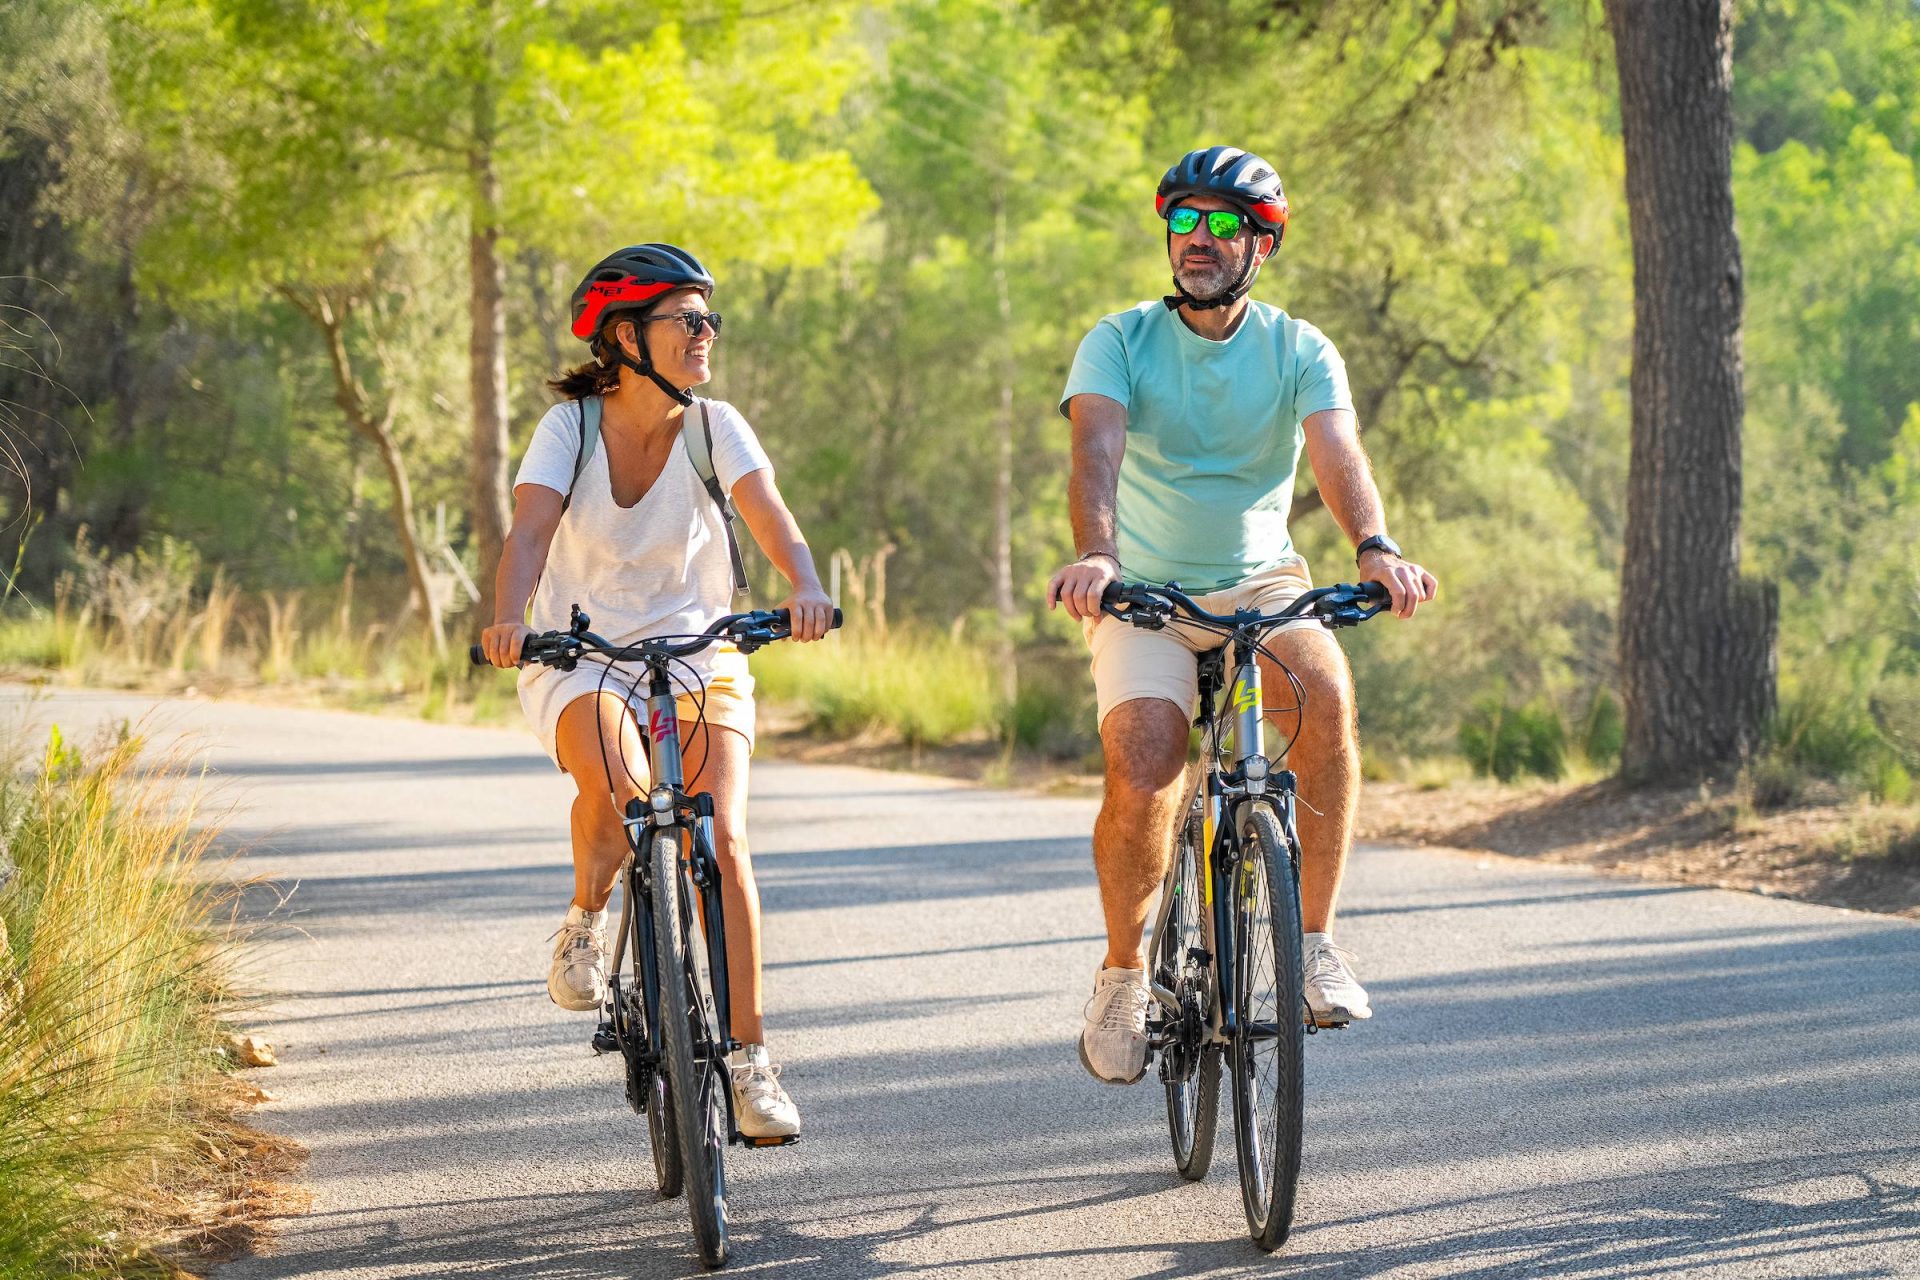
[1206, 280]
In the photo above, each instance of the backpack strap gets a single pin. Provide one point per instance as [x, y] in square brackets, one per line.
[589, 424]
[700, 449]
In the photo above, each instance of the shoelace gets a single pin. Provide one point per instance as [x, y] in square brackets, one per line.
[1328, 961]
[1125, 1008]
[759, 1086]
[579, 944]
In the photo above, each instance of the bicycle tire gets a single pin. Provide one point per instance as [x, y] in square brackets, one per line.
[693, 1078]
[663, 1135]
[1267, 1012]
[1193, 1103]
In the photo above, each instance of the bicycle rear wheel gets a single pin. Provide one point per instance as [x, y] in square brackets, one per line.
[1189, 1066]
[694, 1059]
[1269, 1032]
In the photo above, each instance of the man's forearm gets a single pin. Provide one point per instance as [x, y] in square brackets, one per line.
[1345, 477]
[1090, 498]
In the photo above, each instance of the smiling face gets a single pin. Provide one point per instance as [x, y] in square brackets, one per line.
[1206, 267]
[684, 359]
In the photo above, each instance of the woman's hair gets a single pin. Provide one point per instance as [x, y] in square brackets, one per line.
[596, 377]
[590, 379]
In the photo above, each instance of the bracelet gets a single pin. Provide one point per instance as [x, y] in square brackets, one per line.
[1104, 554]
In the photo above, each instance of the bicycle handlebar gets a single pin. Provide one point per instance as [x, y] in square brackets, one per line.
[1151, 606]
[564, 648]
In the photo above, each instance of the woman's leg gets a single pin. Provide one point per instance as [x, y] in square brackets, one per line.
[600, 748]
[716, 761]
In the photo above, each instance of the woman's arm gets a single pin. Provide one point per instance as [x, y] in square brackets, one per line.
[758, 500]
[536, 514]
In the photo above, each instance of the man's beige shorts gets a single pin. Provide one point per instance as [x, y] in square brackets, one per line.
[1130, 662]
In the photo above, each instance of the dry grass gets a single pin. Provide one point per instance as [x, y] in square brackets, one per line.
[120, 1149]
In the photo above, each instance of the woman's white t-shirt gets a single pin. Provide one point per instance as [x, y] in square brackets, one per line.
[657, 568]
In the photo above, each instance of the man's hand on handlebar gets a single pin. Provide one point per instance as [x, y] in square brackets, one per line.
[810, 613]
[502, 642]
[1080, 585]
[1410, 585]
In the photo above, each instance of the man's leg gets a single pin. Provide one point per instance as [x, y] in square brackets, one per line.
[1326, 758]
[1146, 747]
[1145, 742]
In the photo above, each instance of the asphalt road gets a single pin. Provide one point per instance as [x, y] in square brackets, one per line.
[1566, 1075]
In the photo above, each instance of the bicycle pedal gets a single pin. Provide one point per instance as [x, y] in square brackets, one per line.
[786, 1141]
[604, 1041]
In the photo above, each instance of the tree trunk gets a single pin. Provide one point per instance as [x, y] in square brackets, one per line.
[487, 348]
[378, 431]
[1696, 643]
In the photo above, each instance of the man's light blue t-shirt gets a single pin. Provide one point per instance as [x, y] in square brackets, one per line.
[1213, 436]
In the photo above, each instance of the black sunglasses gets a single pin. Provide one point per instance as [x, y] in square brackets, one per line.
[693, 320]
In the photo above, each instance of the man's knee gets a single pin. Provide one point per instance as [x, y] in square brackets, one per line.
[1145, 742]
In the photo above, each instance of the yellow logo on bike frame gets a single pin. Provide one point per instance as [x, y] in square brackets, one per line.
[1244, 698]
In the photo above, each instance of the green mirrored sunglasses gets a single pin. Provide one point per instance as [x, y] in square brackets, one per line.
[1222, 224]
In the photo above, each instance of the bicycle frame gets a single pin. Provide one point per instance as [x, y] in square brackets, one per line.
[1216, 793]
[667, 805]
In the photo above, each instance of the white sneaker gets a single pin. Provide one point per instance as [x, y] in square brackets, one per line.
[761, 1106]
[1333, 994]
[1113, 1044]
[577, 979]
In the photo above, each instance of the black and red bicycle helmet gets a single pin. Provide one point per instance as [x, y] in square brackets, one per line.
[634, 279]
[1243, 180]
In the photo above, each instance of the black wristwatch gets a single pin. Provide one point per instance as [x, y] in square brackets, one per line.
[1378, 542]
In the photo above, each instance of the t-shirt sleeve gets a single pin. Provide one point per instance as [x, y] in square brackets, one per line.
[553, 451]
[736, 450]
[1321, 380]
[1100, 367]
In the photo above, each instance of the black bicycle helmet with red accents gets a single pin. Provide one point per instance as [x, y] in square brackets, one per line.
[634, 279]
[1243, 180]
[1238, 177]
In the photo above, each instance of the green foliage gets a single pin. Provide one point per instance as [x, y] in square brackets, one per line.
[1507, 742]
[917, 209]
[924, 688]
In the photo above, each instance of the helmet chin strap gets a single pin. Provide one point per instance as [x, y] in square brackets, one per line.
[646, 367]
[1236, 291]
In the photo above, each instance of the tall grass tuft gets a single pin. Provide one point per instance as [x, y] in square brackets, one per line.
[112, 979]
[926, 688]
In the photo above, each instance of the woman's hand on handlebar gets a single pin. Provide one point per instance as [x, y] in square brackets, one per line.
[503, 641]
[810, 613]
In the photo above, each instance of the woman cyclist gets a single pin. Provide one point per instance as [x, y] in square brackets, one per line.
[639, 543]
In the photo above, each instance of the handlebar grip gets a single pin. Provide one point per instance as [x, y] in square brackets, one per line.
[786, 618]
[477, 656]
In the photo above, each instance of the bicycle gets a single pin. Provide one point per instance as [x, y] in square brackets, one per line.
[1205, 943]
[671, 1020]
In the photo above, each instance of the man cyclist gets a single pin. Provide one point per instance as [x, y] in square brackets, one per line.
[1189, 416]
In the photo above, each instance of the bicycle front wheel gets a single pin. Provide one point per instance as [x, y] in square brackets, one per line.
[662, 1133]
[1189, 1065]
[1269, 1031]
[694, 1061]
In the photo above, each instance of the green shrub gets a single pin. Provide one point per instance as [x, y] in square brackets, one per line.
[1604, 729]
[1507, 742]
[927, 688]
